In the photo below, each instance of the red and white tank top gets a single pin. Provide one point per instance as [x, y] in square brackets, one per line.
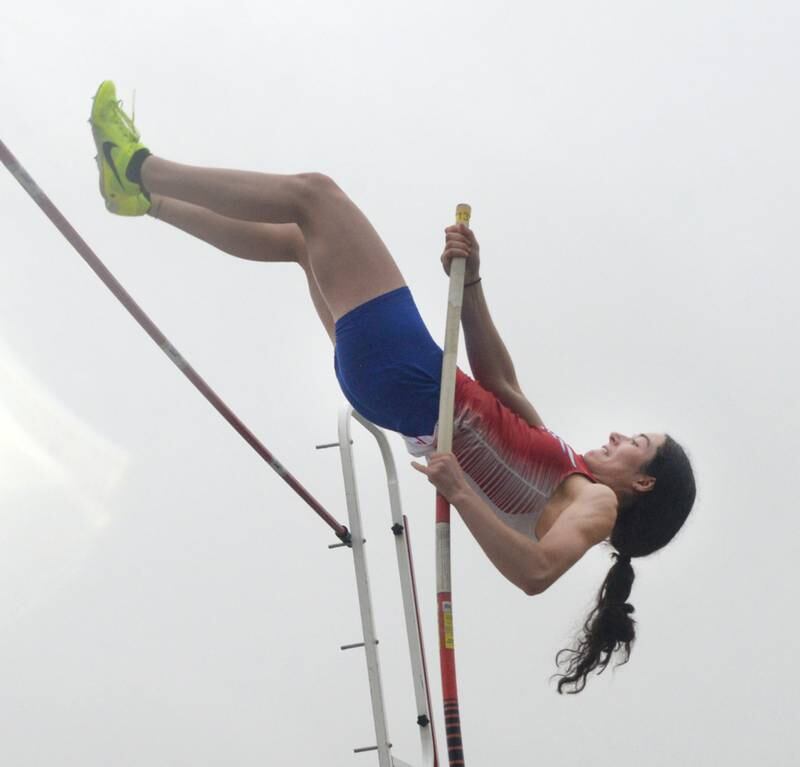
[513, 466]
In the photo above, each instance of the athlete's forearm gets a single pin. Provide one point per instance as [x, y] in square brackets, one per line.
[517, 557]
[488, 357]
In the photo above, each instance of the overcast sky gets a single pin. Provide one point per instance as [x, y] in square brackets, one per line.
[633, 170]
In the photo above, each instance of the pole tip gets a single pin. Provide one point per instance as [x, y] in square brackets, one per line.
[463, 213]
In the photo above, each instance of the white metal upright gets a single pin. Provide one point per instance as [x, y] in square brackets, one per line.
[399, 530]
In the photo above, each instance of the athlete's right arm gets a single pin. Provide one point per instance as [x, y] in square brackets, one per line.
[488, 357]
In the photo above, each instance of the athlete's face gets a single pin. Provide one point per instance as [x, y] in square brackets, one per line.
[619, 462]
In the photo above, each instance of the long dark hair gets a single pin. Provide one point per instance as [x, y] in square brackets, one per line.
[645, 525]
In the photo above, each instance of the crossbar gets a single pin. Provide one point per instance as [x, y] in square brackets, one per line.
[108, 279]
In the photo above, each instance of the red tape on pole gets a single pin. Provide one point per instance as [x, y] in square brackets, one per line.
[447, 655]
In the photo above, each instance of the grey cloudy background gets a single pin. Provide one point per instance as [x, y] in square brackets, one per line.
[633, 169]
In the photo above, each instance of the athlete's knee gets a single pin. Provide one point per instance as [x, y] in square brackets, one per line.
[317, 187]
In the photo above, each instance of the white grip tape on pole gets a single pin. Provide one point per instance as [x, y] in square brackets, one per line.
[455, 299]
[443, 580]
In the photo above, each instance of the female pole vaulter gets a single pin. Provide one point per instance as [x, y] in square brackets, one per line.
[534, 505]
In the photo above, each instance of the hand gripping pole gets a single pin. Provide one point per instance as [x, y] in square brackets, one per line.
[447, 656]
[88, 255]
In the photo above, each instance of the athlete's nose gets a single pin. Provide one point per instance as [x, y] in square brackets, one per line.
[615, 437]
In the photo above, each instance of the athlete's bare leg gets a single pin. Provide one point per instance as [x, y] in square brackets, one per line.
[348, 259]
[245, 239]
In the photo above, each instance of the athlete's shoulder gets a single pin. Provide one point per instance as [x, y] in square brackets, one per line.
[585, 522]
[594, 490]
[599, 506]
[593, 497]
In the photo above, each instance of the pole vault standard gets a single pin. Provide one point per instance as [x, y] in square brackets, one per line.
[63, 226]
[444, 444]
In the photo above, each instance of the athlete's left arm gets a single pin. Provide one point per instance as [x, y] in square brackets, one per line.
[587, 521]
[529, 565]
[515, 555]
[520, 559]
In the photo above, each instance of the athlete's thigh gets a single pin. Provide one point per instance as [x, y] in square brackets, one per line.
[350, 262]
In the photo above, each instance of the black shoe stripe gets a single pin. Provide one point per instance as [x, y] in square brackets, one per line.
[107, 147]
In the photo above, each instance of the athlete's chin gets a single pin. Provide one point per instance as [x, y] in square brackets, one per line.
[592, 457]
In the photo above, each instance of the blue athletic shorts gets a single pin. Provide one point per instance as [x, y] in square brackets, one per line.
[388, 365]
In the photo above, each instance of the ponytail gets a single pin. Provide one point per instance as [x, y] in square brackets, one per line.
[608, 628]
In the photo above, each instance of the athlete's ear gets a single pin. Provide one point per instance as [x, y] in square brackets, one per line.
[644, 484]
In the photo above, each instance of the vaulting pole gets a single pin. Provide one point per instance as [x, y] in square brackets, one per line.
[63, 226]
[444, 444]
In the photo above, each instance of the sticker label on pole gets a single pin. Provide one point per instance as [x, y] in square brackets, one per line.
[447, 615]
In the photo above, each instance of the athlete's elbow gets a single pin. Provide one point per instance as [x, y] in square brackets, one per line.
[534, 586]
[539, 575]
[538, 581]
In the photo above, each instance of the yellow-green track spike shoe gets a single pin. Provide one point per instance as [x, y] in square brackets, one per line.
[117, 140]
[117, 202]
